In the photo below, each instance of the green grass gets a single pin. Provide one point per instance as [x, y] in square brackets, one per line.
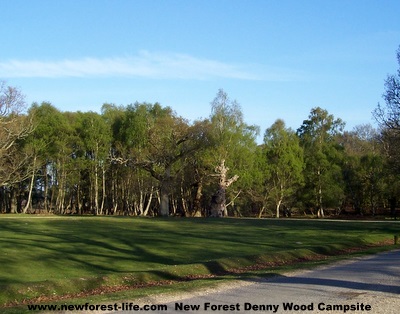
[54, 256]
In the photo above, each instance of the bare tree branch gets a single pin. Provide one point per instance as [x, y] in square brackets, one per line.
[14, 126]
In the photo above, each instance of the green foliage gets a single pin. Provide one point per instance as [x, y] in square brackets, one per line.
[51, 127]
[284, 164]
[323, 158]
[232, 141]
[144, 159]
[365, 170]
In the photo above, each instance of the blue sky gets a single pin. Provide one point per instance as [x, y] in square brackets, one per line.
[278, 59]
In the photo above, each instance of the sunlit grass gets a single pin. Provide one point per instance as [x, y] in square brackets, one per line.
[60, 255]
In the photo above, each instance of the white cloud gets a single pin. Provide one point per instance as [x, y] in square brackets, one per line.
[145, 64]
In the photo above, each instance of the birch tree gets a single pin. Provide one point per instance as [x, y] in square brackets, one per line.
[323, 175]
[284, 162]
[96, 138]
[157, 140]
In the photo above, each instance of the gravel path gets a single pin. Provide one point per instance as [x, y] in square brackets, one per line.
[369, 284]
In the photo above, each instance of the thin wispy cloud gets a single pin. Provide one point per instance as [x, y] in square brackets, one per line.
[144, 65]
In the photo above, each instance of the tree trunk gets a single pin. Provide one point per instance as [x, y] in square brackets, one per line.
[141, 203]
[197, 200]
[61, 180]
[29, 201]
[320, 213]
[164, 193]
[174, 203]
[149, 202]
[96, 188]
[278, 205]
[261, 211]
[218, 201]
[78, 200]
[46, 188]
[14, 201]
[185, 206]
[114, 191]
[164, 199]
[103, 197]
[2, 207]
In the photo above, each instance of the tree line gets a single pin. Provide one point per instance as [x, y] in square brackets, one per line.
[144, 159]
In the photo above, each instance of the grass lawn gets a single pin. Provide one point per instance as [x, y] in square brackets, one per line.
[53, 256]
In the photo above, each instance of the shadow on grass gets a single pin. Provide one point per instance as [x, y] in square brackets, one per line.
[67, 255]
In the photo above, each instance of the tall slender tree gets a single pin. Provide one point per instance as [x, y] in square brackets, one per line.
[318, 135]
[284, 163]
[96, 139]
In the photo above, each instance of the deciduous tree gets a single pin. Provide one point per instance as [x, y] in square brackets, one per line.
[233, 148]
[15, 125]
[284, 163]
[389, 116]
[157, 140]
[323, 176]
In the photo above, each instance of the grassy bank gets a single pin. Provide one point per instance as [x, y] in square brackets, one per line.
[54, 256]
